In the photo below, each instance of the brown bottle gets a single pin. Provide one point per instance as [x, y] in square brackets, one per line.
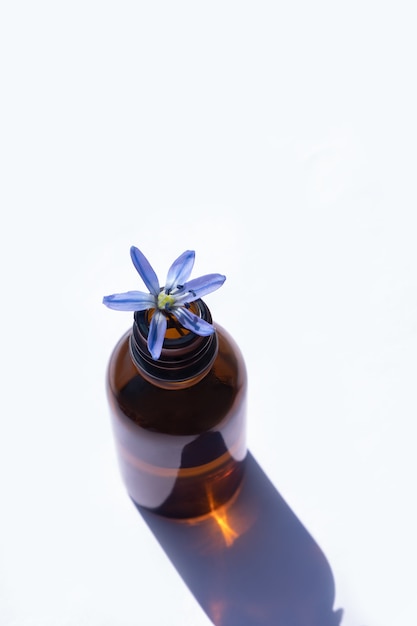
[179, 422]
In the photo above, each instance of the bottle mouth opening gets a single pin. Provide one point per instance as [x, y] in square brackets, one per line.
[185, 356]
[175, 336]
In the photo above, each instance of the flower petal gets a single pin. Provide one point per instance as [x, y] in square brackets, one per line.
[145, 270]
[180, 270]
[156, 334]
[192, 322]
[199, 287]
[130, 301]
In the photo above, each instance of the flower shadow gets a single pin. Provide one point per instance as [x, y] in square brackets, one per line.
[251, 562]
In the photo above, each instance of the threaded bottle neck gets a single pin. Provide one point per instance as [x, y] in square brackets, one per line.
[185, 358]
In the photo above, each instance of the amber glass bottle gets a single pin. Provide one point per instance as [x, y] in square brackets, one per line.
[179, 422]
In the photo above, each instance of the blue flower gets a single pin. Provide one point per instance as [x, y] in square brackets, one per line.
[172, 299]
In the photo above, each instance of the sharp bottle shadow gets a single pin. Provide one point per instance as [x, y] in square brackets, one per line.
[251, 562]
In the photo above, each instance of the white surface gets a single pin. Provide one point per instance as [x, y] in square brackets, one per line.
[280, 143]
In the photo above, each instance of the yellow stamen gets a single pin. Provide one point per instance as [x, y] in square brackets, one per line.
[165, 300]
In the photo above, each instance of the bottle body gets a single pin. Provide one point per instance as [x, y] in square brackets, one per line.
[181, 449]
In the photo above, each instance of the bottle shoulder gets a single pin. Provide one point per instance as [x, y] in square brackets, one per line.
[182, 410]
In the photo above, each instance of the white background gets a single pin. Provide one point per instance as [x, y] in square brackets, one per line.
[278, 140]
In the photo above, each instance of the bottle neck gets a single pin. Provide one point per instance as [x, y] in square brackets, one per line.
[185, 358]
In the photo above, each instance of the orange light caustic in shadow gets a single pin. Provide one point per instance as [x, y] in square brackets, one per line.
[220, 517]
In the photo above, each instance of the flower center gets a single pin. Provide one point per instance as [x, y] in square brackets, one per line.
[165, 300]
